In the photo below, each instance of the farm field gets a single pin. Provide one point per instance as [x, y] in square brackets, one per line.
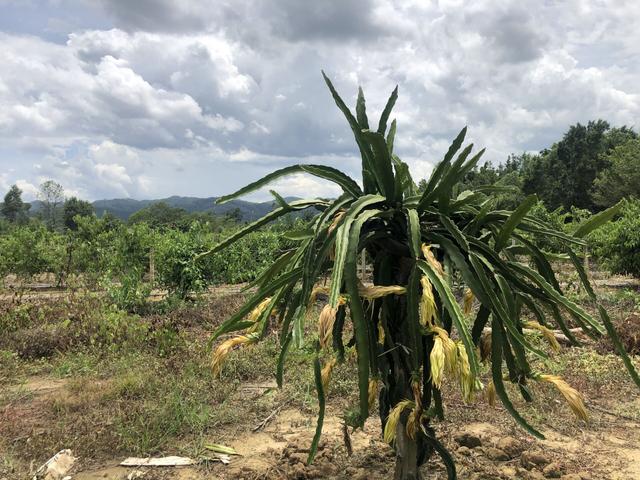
[346, 239]
[76, 373]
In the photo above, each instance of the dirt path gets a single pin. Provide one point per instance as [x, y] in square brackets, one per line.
[608, 448]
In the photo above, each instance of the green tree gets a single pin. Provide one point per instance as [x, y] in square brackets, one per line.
[110, 221]
[52, 196]
[75, 207]
[159, 215]
[30, 250]
[425, 249]
[13, 208]
[234, 215]
[563, 175]
[621, 178]
[617, 245]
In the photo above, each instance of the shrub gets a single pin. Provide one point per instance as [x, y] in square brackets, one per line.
[176, 269]
[244, 260]
[41, 328]
[30, 250]
[617, 244]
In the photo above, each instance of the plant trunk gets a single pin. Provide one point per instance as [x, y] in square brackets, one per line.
[397, 366]
[407, 467]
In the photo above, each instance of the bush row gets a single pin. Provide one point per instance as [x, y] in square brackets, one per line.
[615, 245]
[119, 257]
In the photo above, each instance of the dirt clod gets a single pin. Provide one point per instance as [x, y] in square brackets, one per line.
[553, 470]
[510, 446]
[467, 439]
[465, 451]
[533, 475]
[534, 459]
[297, 458]
[496, 454]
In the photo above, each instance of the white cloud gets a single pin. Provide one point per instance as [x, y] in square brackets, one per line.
[179, 97]
[305, 186]
[29, 190]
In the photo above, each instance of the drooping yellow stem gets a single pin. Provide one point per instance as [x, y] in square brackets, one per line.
[468, 301]
[431, 259]
[325, 324]
[373, 391]
[371, 292]
[546, 333]
[325, 373]
[437, 361]
[571, 395]
[427, 303]
[394, 418]
[224, 349]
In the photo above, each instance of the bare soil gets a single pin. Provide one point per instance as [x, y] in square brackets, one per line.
[607, 448]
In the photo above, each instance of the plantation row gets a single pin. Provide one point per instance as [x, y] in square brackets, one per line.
[129, 260]
[120, 257]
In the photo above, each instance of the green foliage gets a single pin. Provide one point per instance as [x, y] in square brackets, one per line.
[106, 252]
[74, 207]
[129, 293]
[505, 175]
[28, 250]
[617, 244]
[564, 174]
[176, 269]
[560, 221]
[245, 259]
[125, 257]
[159, 215]
[182, 274]
[43, 328]
[51, 195]
[13, 208]
[431, 246]
[622, 178]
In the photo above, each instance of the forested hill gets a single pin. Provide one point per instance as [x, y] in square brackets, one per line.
[123, 208]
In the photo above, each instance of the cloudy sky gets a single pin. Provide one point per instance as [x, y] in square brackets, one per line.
[151, 98]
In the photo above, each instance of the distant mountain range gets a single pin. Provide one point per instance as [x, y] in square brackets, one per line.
[123, 208]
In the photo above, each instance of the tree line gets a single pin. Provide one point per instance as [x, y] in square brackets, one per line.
[61, 213]
[592, 167]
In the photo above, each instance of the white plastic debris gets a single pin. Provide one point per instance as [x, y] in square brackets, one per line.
[225, 459]
[56, 467]
[136, 474]
[158, 462]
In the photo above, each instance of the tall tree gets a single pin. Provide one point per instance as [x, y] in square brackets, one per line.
[564, 174]
[13, 208]
[52, 196]
[75, 207]
[621, 178]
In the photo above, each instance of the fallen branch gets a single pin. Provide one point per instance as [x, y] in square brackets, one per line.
[264, 423]
[593, 406]
[347, 439]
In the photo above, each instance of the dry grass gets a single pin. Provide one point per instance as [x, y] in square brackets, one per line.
[139, 397]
